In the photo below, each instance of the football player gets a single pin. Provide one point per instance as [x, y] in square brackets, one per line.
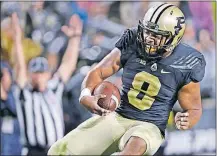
[158, 70]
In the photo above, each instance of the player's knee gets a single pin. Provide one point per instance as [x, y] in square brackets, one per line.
[58, 148]
[52, 149]
[134, 146]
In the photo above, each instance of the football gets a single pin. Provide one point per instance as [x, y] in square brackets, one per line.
[112, 99]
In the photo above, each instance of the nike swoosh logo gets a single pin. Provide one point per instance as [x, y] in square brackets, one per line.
[164, 72]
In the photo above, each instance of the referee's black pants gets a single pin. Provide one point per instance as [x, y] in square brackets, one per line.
[33, 151]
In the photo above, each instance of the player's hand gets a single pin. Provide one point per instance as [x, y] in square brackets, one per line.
[74, 28]
[91, 103]
[182, 121]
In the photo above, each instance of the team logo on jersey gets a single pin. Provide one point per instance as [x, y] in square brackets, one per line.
[143, 62]
[154, 67]
[164, 72]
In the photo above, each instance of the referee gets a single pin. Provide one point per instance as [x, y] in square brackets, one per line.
[39, 95]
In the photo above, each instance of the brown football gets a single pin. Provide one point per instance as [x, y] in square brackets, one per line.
[112, 99]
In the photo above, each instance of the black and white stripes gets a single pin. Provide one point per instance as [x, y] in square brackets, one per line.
[40, 115]
[186, 63]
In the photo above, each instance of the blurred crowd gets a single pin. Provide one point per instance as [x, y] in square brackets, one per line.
[103, 22]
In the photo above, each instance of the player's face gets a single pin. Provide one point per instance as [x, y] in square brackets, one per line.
[153, 40]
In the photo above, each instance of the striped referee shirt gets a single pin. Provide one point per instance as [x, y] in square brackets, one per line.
[40, 114]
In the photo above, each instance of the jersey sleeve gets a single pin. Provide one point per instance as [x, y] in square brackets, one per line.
[197, 72]
[127, 39]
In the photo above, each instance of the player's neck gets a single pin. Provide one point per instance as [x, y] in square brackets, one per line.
[166, 54]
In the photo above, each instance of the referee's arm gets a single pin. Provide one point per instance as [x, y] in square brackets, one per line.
[69, 61]
[20, 65]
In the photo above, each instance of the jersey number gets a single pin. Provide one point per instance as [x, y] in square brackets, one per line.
[145, 88]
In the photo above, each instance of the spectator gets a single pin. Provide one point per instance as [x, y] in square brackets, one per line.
[202, 16]
[44, 27]
[184, 6]
[30, 48]
[190, 34]
[74, 113]
[207, 47]
[10, 134]
[39, 95]
[134, 11]
[79, 9]
[98, 18]
[101, 32]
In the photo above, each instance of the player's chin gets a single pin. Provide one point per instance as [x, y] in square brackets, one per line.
[153, 51]
[184, 127]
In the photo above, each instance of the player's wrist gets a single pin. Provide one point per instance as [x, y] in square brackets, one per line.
[84, 92]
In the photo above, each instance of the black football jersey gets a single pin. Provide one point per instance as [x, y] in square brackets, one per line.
[150, 89]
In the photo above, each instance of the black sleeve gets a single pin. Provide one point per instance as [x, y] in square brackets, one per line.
[197, 72]
[127, 39]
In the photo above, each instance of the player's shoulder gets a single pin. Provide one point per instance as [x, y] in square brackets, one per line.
[127, 39]
[187, 58]
[130, 32]
[186, 50]
[127, 44]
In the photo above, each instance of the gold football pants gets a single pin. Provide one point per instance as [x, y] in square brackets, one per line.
[104, 135]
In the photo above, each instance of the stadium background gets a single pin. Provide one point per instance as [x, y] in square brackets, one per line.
[104, 22]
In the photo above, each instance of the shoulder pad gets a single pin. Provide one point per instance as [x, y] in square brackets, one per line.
[128, 38]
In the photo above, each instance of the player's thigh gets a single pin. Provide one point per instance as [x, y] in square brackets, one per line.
[146, 131]
[92, 137]
[97, 135]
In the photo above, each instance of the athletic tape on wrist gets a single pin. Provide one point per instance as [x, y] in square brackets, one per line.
[85, 92]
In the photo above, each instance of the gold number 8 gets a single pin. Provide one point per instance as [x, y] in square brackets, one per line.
[153, 87]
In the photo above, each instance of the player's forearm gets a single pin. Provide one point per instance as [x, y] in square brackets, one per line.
[104, 69]
[92, 79]
[194, 116]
